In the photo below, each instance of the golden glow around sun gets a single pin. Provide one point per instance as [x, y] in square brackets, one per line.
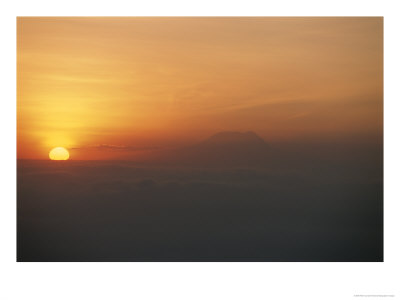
[59, 153]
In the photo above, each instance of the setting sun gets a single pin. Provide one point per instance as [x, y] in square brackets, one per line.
[59, 153]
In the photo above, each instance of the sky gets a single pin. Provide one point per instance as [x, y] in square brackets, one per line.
[139, 84]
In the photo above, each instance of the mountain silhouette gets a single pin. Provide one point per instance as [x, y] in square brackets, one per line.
[228, 148]
[237, 140]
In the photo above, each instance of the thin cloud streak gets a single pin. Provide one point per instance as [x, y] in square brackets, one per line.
[115, 148]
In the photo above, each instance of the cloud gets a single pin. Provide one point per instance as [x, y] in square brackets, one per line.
[110, 211]
[110, 147]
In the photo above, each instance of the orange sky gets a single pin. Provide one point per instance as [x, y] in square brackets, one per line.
[140, 83]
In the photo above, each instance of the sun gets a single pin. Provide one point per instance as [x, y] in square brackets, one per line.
[59, 153]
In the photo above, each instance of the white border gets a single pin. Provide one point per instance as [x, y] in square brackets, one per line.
[197, 280]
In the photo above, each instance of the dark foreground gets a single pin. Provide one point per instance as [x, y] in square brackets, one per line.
[119, 211]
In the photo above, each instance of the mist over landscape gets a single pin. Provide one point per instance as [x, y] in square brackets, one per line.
[248, 202]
